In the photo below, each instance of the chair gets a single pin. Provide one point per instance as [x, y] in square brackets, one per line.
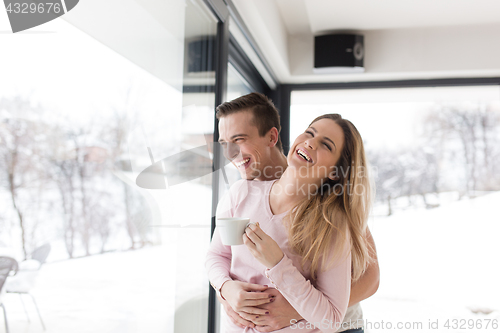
[24, 281]
[8, 267]
[38, 257]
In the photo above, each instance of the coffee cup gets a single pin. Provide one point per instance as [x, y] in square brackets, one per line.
[231, 229]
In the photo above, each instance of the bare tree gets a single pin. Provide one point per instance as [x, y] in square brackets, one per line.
[390, 174]
[87, 171]
[471, 131]
[63, 172]
[489, 129]
[125, 111]
[101, 215]
[20, 151]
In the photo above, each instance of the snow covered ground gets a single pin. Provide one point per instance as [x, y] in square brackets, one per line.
[435, 264]
[116, 292]
[440, 263]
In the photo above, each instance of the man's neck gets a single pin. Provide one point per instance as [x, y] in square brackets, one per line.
[276, 168]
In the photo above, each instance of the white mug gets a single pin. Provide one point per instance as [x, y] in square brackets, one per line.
[231, 229]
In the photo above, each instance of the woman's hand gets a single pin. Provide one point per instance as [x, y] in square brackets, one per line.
[262, 247]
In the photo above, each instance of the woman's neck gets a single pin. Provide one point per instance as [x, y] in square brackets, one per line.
[288, 191]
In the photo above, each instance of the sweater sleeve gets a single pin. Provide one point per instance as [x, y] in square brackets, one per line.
[219, 256]
[218, 262]
[324, 304]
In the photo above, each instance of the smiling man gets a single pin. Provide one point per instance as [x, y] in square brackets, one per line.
[249, 133]
[249, 129]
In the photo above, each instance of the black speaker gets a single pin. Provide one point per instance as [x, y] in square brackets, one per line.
[201, 55]
[339, 50]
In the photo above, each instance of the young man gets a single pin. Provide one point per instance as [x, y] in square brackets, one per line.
[249, 129]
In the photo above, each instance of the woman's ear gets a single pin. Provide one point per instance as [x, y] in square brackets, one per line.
[333, 174]
[333, 177]
[273, 136]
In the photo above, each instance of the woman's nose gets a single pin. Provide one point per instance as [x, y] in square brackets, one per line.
[310, 143]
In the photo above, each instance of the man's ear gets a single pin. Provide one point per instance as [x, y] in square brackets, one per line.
[273, 136]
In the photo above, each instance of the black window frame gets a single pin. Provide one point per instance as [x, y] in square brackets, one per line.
[284, 92]
[227, 50]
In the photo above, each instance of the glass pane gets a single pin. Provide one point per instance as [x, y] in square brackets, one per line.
[236, 85]
[435, 156]
[96, 136]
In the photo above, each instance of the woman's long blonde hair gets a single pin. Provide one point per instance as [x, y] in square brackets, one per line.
[338, 213]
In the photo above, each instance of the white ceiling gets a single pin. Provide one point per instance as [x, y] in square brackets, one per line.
[404, 39]
[316, 16]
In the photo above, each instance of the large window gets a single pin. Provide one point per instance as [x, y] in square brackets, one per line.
[435, 160]
[104, 155]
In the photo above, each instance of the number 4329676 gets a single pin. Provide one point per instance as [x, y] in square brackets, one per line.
[25, 8]
[462, 324]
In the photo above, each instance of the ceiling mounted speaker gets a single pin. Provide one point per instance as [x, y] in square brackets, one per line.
[339, 53]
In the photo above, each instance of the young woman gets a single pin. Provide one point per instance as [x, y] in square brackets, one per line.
[307, 239]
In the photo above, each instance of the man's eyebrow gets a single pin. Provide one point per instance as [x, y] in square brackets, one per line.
[237, 135]
[326, 138]
[233, 137]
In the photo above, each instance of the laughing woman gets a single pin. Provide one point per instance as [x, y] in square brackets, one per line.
[309, 242]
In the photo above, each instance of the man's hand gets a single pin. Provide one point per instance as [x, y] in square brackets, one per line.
[280, 314]
[245, 298]
[235, 317]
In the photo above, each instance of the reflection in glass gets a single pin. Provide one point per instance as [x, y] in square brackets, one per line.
[77, 128]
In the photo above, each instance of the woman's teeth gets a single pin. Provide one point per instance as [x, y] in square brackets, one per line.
[304, 155]
[242, 162]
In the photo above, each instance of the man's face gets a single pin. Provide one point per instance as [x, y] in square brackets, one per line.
[243, 146]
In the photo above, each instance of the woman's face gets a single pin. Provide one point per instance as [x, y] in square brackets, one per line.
[316, 151]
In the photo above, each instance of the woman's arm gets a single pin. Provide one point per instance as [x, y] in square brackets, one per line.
[281, 312]
[324, 304]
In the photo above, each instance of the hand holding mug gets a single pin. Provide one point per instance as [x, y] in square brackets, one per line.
[262, 246]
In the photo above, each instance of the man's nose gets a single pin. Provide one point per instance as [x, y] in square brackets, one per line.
[232, 151]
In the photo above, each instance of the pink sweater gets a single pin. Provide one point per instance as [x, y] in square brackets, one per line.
[322, 302]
